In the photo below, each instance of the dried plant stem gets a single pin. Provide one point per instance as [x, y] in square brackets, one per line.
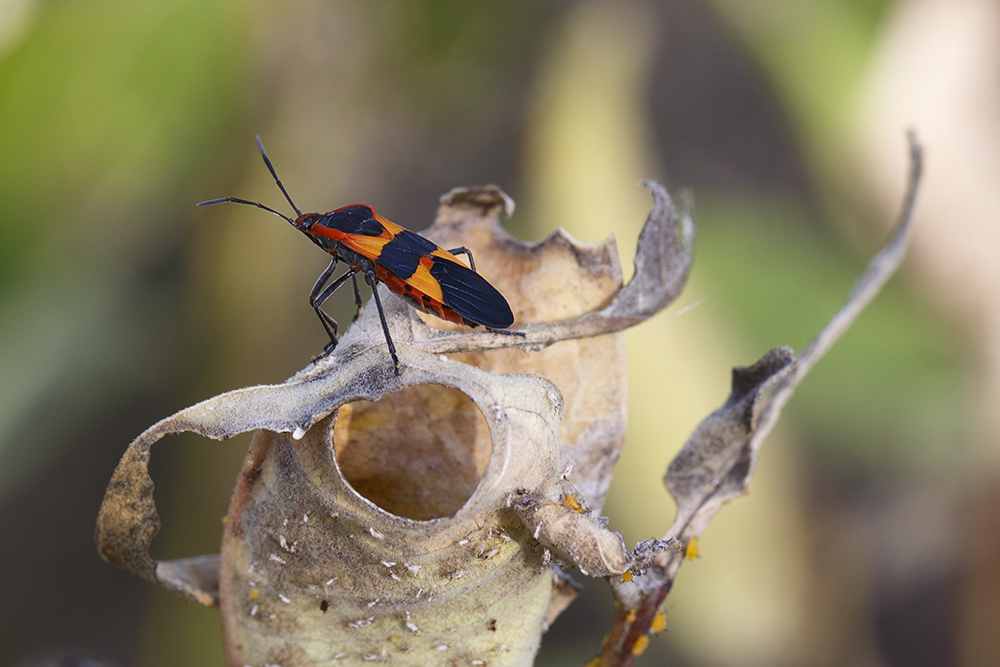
[640, 601]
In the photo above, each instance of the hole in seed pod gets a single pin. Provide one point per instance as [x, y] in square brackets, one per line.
[418, 453]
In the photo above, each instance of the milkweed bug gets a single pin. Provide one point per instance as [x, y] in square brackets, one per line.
[423, 274]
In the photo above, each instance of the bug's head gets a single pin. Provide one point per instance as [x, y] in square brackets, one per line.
[304, 222]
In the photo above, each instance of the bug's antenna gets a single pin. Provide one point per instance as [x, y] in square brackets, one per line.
[277, 180]
[235, 200]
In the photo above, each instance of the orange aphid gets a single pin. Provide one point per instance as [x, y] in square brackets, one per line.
[640, 645]
[574, 503]
[659, 623]
[691, 550]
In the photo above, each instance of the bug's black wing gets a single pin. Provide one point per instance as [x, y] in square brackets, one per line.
[470, 295]
[462, 289]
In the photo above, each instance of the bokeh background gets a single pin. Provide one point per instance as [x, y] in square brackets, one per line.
[872, 532]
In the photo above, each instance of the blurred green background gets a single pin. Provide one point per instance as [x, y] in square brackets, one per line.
[872, 532]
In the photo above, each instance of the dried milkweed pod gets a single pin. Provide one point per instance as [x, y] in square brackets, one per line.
[343, 544]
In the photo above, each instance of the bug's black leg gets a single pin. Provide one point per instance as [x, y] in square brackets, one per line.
[328, 322]
[357, 298]
[316, 302]
[331, 288]
[323, 277]
[373, 282]
[468, 253]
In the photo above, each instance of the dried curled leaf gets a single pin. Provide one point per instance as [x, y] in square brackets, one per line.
[662, 264]
[712, 467]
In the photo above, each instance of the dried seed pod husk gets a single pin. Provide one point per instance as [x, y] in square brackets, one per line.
[362, 486]
[313, 570]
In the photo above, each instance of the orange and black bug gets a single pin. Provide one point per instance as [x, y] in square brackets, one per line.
[426, 276]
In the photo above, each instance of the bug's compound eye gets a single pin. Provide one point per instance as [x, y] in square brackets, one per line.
[304, 222]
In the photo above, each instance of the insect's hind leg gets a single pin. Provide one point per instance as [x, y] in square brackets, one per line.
[373, 283]
[505, 332]
[468, 253]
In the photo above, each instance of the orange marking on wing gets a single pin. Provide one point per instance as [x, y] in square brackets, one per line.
[441, 252]
[369, 246]
[423, 281]
[389, 225]
[432, 306]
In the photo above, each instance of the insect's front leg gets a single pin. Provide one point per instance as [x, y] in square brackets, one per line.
[319, 295]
